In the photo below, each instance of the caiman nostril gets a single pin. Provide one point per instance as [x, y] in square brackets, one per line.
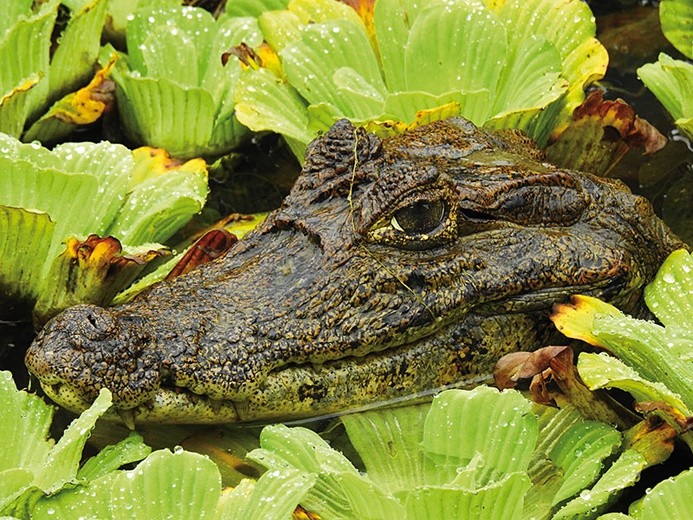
[97, 323]
[89, 321]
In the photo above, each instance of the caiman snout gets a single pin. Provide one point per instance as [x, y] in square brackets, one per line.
[83, 349]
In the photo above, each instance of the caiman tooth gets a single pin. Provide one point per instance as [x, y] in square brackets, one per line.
[215, 405]
[128, 418]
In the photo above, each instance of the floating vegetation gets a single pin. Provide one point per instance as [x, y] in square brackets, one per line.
[80, 222]
[503, 64]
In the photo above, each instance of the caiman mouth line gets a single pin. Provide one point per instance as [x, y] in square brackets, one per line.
[298, 384]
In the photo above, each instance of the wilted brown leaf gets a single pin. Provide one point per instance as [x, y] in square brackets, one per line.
[600, 134]
[523, 365]
[211, 245]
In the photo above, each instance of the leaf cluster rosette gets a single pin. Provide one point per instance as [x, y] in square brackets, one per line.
[45, 58]
[669, 79]
[653, 362]
[469, 454]
[518, 64]
[173, 89]
[78, 223]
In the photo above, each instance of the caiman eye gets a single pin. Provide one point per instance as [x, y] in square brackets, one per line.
[420, 218]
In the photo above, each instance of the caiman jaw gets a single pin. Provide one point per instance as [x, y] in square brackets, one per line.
[307, 390]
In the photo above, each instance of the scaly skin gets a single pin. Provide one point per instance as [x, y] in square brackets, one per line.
[393, 267]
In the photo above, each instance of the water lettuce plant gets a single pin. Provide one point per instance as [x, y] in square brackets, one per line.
[34, 73]
[671, 80]
[78, 223]
[173, 89]
[447, 459]
[519, 64]
[653, 362]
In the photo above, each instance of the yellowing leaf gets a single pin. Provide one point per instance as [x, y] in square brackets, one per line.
[576, 319]
[392, 127]
[82, 107]
[153, 162]
[91, 271]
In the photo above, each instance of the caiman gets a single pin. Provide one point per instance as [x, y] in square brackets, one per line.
[395, 266]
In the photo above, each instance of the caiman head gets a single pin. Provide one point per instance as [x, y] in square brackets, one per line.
[394, 267]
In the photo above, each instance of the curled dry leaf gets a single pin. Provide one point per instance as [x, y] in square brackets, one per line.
[523, 365]
[105, 253]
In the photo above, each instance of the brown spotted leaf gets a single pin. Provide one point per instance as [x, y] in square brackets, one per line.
[653, 438]
[600, 134]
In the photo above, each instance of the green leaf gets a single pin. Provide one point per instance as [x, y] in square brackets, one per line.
[580, 453]
[157, 207]
[120, 10]
[253, 7]
[670, 295]
[468, 56]
[624, 472]
[163, 114]
[89, 502]
[265, 102]
[671, 81]
[51, 191]
[34, 463]
[675, 17]
[29, 39]
[15, 106]
[273, 497]
[131, 449]
[167, 485]
[339, 491]
[63, 460]
[531, 78]
[497, 501]
[605, 371]
[499, 426]
[389, 443]
[404, 106]
[13, 12]
[392, 21]
[546, 476]
[175, 92]
[670, 498]
[20, 279]
[24, 430]
[316, 66]
[13, 482]
[72, 65]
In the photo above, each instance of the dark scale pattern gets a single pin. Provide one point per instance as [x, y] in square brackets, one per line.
[333, 303]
